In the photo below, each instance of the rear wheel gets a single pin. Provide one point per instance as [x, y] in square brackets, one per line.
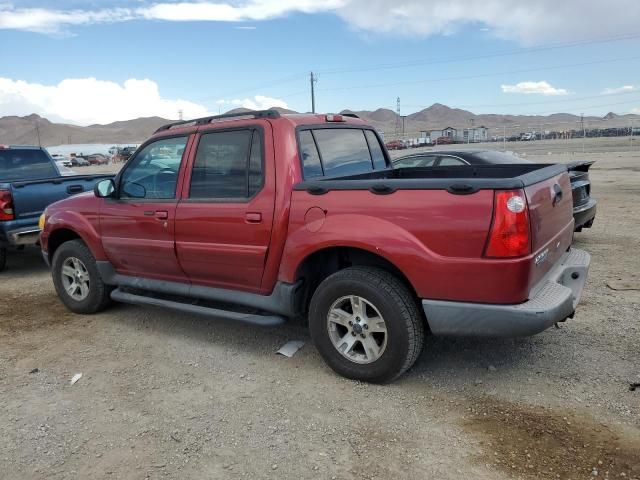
[366, 324]
[3, 258]
[77, 280]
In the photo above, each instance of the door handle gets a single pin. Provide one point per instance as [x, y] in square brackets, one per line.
[162, 214]
[253, 217]
[73, 189]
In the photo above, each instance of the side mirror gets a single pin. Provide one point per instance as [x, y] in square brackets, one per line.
[104, 188]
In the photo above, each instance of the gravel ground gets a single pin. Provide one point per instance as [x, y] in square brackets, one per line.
[167, 395]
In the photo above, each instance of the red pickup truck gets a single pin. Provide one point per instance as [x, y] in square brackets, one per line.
[261, 217]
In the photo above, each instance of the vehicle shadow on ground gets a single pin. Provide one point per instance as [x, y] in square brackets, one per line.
[442, 355]
[441, 358]
[23, 263]
[201, 328]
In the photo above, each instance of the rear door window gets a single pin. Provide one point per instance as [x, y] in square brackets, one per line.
[451, 162]
[228, 165]
[421, 161]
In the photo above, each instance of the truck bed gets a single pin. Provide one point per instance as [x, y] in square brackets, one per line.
[464, 179]
[436, 220]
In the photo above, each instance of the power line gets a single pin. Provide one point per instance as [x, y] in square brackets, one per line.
[483, 75]
[467, 58]
[281, 81]
[540, 102]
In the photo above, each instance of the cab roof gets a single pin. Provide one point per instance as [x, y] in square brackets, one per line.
[294, 118]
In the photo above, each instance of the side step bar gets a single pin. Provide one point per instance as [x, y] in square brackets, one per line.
[261, 320]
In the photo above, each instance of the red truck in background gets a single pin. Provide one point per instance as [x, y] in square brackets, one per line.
[261, 217]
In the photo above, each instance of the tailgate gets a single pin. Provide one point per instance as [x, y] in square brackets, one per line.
[31, 197]
[551, 213]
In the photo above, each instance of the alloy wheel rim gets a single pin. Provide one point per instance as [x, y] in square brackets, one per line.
[75, 278]
[357, 329]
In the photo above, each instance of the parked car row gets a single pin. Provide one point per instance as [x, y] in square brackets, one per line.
[81, 160]
[263, 217]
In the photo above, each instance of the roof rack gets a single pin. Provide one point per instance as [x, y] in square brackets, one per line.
[352, 115]
[204, 120]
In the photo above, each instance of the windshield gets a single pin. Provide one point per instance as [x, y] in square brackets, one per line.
[18, 164]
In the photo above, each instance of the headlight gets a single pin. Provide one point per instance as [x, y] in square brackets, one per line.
[41, 222]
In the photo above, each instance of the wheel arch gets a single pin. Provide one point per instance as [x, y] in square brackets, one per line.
[318, 265]
[60, 236]
[69, 225]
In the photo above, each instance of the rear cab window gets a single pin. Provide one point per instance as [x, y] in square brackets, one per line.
[331, 152]
[25, 164]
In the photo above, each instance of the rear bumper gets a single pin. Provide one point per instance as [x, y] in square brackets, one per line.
[553, 300]
[584, 214]
[20, 236]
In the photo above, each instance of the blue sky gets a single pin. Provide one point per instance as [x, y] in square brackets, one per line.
[105, 60]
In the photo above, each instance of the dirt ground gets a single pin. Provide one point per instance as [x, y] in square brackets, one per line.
[168, 395]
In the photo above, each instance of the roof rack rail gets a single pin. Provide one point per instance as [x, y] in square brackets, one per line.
[352, 115]
[204, 120]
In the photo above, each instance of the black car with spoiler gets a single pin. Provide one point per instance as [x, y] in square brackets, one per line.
[584, 207]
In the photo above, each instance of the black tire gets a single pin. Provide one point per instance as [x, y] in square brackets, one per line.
[3, 258]
[396, 304]
[99, 296]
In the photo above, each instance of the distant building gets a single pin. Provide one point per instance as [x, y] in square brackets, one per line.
[476, 134]
[465, 135]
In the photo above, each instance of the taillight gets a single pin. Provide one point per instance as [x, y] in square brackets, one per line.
[6, 205]
[509, 235]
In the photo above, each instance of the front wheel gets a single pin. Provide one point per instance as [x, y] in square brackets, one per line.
[366, 324]
[77, 280]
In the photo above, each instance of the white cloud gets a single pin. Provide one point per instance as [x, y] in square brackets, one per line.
[259, 102]
[87, 100]
[52, 21]
[540, 88]
[623, 89]
[542, 21]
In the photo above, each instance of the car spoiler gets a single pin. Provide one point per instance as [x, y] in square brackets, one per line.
[580, 166]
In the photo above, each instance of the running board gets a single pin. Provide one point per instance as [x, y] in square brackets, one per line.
[261, 320]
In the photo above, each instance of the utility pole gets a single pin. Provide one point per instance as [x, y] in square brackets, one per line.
[403, 117]
[313, 79]
[38, 132]
[504, 138]
[397, 133]
[584, 131]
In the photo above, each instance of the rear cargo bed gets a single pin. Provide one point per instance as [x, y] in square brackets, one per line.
[458, 180]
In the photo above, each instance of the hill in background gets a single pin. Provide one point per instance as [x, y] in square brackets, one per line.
[22, 130]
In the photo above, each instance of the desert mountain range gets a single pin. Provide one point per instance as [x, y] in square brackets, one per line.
[22, 130]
